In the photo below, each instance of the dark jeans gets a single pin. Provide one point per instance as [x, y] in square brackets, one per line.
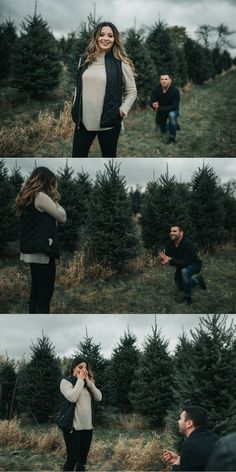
[170, 124]
[42, 286]
[77, 448]
[187, 278]
[107, 139]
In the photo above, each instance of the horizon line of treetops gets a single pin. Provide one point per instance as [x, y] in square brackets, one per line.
[118, 224]
[35, 61]
[149, 381]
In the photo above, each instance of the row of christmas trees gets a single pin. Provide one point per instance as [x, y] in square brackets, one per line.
[117, 223]
[150, 381]
[33, 61]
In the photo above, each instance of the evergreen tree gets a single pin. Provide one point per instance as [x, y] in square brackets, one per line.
[92, 352]
[229, 202]
[207, 377]
[111, 231]
[8, 38]
[121, 373]
[78, 42]
[144, 66]
[201, 69]
[164, 204]
[152, 385]
[36, 60]
[226, 60]
[136, 198]
[84, 187]
[207, 210]
[38, 389]
[68, 188]
[8, 221]
[162, 51]
[7, 386]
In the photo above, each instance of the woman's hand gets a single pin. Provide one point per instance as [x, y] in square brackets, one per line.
[82, 373]
[122, 114]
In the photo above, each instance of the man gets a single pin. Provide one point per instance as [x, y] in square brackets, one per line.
[164, 100]
[199, 442]
[181, 253]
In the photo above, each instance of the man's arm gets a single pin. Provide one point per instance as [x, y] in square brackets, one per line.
[188, 460]
[154, 98]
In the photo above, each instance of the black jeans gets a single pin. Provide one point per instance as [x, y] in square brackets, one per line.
[77, 448]
[83, 139]
[42, 286]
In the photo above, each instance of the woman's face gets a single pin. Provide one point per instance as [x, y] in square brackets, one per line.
[105, 39]
[79, 367]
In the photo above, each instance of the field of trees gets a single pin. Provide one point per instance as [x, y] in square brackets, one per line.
[112, 237]
[36, 95]
[142, 393]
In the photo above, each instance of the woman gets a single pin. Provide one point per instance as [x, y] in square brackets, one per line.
[37, 205]
[104, 75]
[80, 389]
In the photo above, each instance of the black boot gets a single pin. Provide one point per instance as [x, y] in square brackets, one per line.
[80, 467]
[33, 306]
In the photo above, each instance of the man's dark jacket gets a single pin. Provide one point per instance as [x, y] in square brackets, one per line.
[168, 101]
[196, 450]
[183, 255]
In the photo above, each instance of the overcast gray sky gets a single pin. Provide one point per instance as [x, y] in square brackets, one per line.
[136, 170]
[66, 331]
[65, 16]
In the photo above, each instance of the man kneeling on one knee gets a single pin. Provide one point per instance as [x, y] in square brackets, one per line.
[181, 253]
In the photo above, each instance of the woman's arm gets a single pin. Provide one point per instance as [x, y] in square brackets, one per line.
[130, 90]
[97, 395]
[71, 393]
[44, 203]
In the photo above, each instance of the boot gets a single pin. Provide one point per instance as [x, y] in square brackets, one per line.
[80, 467]
[33, 306]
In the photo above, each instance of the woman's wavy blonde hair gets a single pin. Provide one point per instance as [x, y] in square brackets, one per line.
[118, 50]
[41, 180]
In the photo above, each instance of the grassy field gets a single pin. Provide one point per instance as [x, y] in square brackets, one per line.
[145, 287]
[121, 447]
[45, 129]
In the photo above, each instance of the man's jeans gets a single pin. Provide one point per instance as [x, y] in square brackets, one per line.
[187, 278]
[170, 124]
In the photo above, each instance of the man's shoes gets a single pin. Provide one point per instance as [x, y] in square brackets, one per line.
[170, 140]
[202, 282]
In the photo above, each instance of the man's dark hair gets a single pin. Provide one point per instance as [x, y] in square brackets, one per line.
[164, 72]
[178, 225]
[197, 414]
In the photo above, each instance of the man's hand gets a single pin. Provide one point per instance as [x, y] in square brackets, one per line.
[171, 457]
[164, 259]
[155, 106]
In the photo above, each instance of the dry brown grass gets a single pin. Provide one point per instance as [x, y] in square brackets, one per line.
[27, 138]
[12, 435]
[136, 454]
[12, 281]
[75, 273]
[112, 452]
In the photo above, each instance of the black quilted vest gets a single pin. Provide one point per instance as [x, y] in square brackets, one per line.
[39, 233]
[113, 96]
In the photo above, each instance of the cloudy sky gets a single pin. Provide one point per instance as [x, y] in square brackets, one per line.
[136, 171]
[65, 16]
[65, 331]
